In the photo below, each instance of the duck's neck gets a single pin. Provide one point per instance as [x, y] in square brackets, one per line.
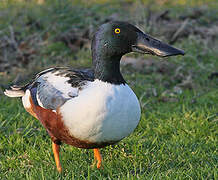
[107, 69]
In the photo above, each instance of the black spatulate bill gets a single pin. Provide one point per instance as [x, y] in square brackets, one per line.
[149, 45]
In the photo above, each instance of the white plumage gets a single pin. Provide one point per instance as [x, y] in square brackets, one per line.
[26, 99]
[102, 112]
[60, 83]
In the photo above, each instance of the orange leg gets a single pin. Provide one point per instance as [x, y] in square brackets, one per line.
[97, 157]
[56, 150]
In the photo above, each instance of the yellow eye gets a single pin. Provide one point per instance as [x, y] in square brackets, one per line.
[117, 30]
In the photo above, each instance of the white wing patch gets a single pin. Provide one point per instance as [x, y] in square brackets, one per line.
[53, 90]
[38, 100]
[61, 84]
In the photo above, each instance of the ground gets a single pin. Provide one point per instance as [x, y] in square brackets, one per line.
[177, 134]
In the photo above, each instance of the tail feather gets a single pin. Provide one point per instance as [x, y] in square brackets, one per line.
[15, 91]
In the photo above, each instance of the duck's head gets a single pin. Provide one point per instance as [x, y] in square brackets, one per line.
[117, 38]
[114, 39]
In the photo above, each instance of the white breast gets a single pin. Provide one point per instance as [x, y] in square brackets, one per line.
[102, 112]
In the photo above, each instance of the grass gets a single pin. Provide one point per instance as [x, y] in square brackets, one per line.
[177, 134]
[172, 141]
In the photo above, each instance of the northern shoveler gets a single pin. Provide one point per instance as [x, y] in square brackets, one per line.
[91, 108]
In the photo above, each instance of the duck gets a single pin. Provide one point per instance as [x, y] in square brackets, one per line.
[91, 108]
